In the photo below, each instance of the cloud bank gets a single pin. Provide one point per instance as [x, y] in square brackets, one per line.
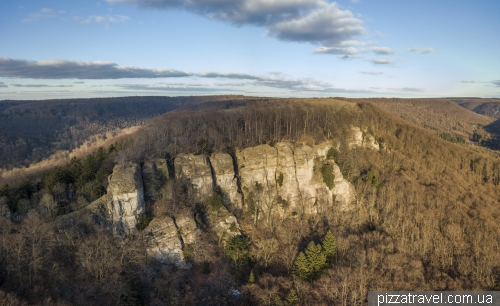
[60, 69]
[310, 21]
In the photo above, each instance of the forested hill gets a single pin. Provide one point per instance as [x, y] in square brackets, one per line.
[31, 131]
[425, 216]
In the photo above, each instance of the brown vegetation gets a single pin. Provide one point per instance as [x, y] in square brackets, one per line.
[426, 218]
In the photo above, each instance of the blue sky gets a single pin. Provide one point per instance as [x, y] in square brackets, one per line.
[285, 48]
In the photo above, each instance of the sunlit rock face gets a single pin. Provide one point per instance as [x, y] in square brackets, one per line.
[125, 198]
[163, 241]
[225, 177]
[360, 139]
[286, 179]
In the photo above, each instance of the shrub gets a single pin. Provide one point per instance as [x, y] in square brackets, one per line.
[280, 180]
[332, 153]
[142, 222]
[328, 175]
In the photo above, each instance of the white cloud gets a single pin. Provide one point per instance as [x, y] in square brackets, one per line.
[420, 51]
[44, 13]
[496, 83]
[372, 72]
[468, 81]
[336, 50]
[382, 50]
[101, 19]
[328, 26]
[380, 61]
[310, 21]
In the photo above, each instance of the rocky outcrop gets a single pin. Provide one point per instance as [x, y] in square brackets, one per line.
[224, 224]
[168, 237]
[125, 198]
[283, 180]
[196, 172]
[164, 243]
[287, 179]
[360, 139]
[225, 177]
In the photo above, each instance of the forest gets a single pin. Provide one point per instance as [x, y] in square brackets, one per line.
[31, 131]
[426, 214]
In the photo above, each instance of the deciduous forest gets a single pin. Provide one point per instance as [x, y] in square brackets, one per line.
[425, 215]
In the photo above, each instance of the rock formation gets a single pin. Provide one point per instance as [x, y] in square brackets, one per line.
[222, 165]
[361, 139]
[196, 172]
[283, 180]
[125, 198]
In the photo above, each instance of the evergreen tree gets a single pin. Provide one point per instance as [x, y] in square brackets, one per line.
[237, 249]
[293, 298]
[330, 247]
[89, 169]
[316, 258]
[251, 279]
[301, 266]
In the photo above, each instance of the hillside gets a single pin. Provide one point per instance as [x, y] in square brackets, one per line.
[443, 117]
[245, 194]
[487, 107]
[31, 131]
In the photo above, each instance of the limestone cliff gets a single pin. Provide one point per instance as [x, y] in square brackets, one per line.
[196, 172]
[286, 179]
[283, 180]
[361, 139]
[225, 177]
[125, 198]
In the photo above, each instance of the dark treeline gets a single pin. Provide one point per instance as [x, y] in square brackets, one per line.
[261, 121]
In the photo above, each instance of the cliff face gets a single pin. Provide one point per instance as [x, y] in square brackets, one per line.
[361, 139]
[287, 179]
[196, 172]
[284, 180]
[223, 168]
[125, 198]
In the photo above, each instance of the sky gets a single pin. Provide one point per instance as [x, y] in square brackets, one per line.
[53, 49]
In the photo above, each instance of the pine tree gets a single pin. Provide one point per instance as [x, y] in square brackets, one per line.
[293, 298]
[330, 247]
[251, 279]
[301, 266]
[316, 258]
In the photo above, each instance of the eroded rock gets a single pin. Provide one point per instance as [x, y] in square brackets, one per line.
[125, 198]
[225, 178]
